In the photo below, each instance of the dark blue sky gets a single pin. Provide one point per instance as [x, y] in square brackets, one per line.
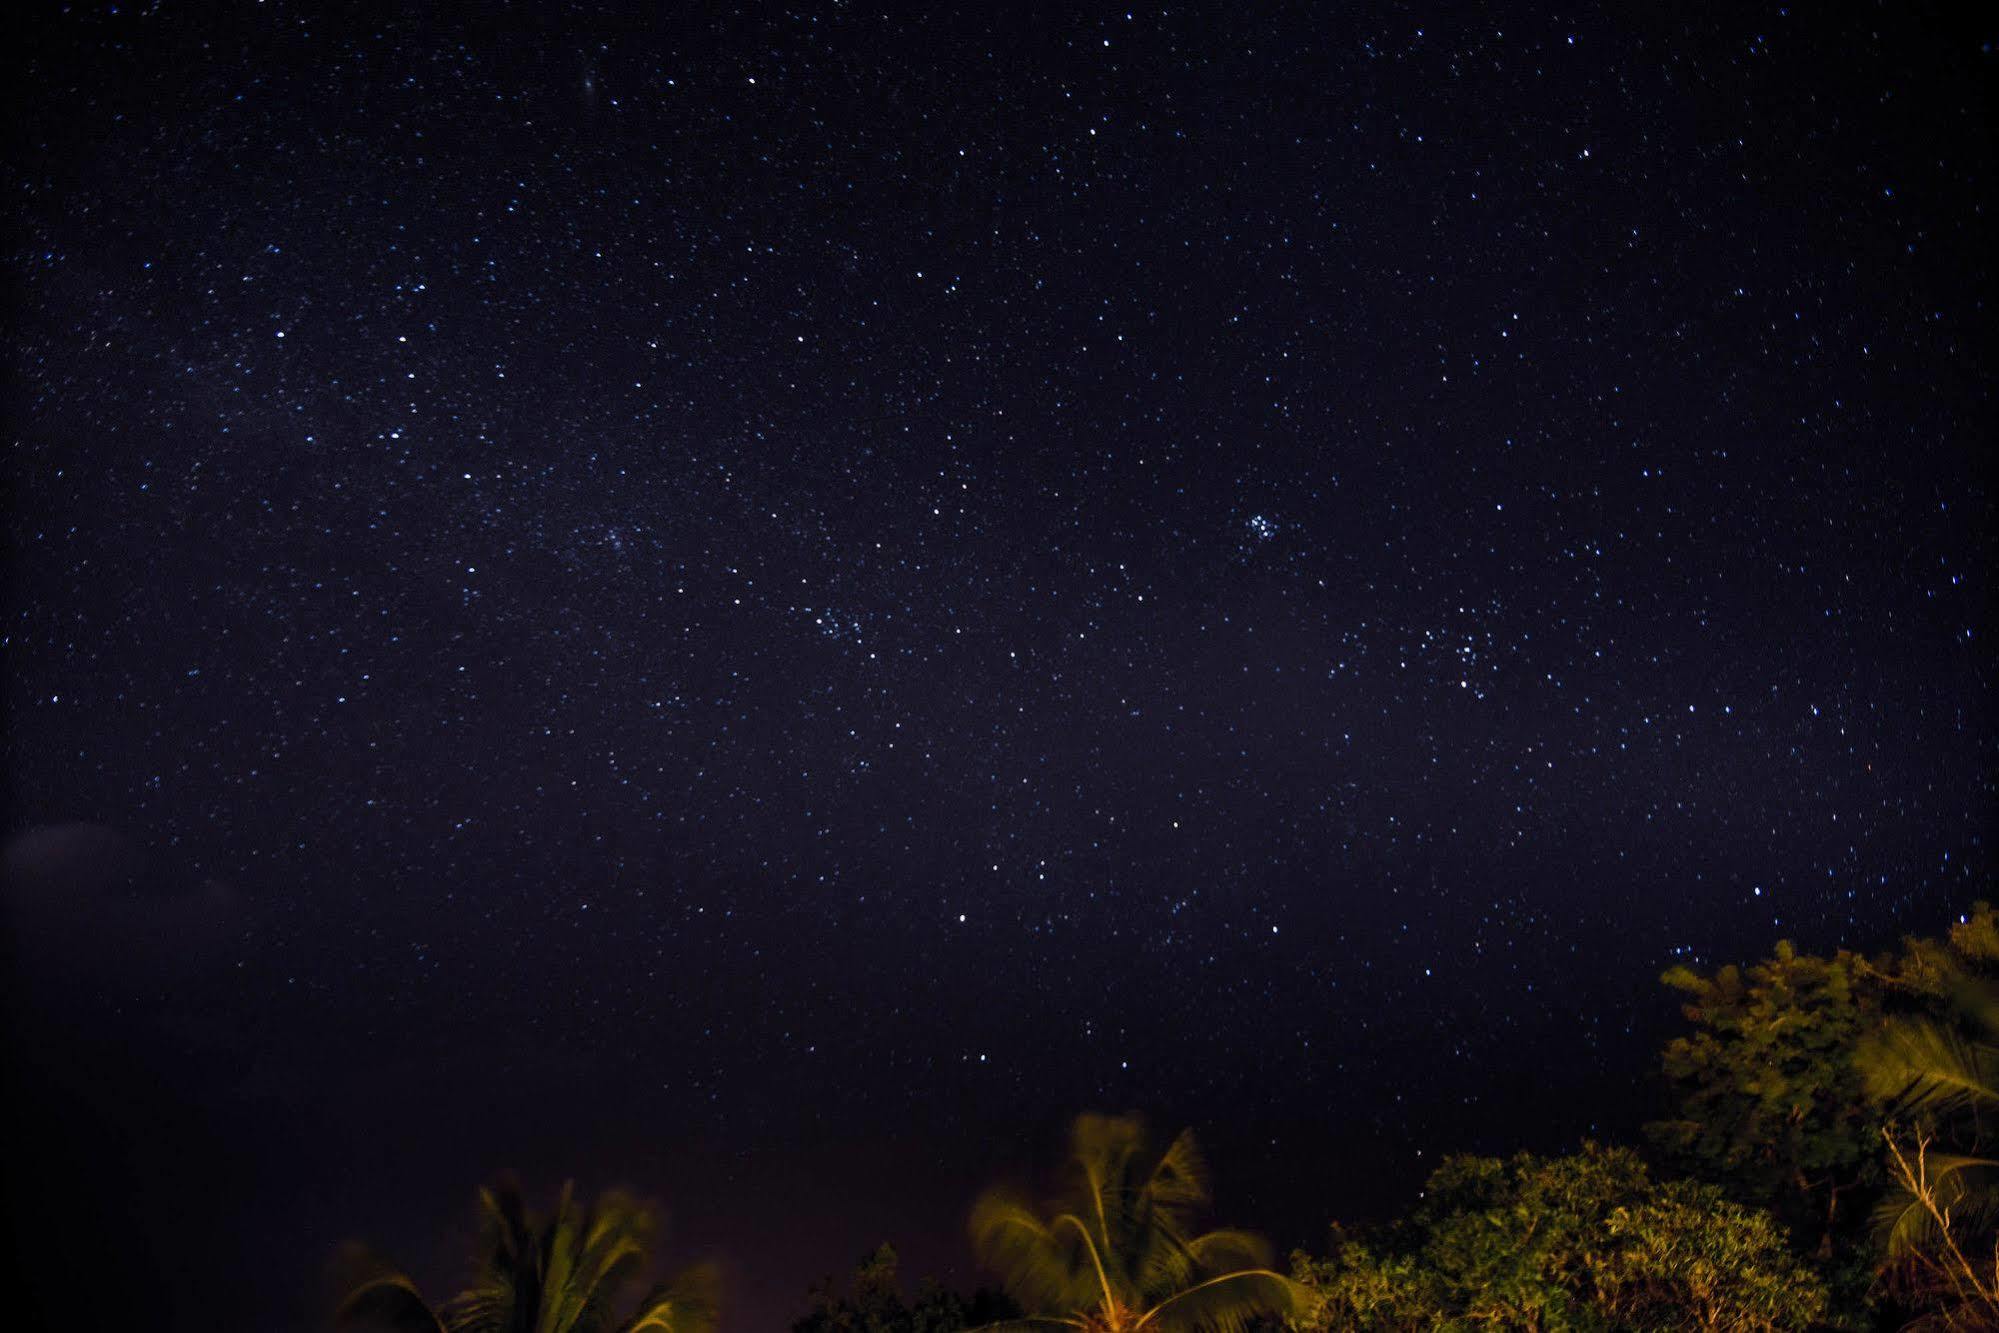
[768, 605]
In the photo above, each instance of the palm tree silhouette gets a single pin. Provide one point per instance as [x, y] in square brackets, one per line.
[561, 1274]
[1116, 1251]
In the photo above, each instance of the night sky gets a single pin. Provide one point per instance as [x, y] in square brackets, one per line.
[767, 606]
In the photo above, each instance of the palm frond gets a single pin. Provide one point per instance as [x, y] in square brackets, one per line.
[1901, 1225]
[1173, 1263]
[386, 1303]
[1103, 1159]
[565, 1272]
[1225, 1250]
[483, 1310]
[559, 1244]
[610, 1249]
[1110, 1142]
[691, 1303]
[1919, 1065]
[1178, 1184]
[1966, 1188]
[510, 1270]
[1121, 1240]
[1042, 1263]
[1230, 1303]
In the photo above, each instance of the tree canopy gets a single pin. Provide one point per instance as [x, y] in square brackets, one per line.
[1586, 1241]
[1827, 1161]
[873, 1303]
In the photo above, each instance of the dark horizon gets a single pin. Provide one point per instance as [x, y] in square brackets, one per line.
[766, 607]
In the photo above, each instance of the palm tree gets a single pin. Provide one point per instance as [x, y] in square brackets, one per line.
[1939, 1070]
[1116, 1252]
[560, 1274]
[1931, 1264]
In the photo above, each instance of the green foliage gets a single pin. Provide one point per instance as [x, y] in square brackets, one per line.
[1686, 1257]
[564, 1273]
[873, 1303]
[1796, 1074]
[1116, 1248]
[1770, 1102]
[1583, 1242]
[1361, 1288]
[1936, 1059]
[1507, 1238]
[1798, 1064]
